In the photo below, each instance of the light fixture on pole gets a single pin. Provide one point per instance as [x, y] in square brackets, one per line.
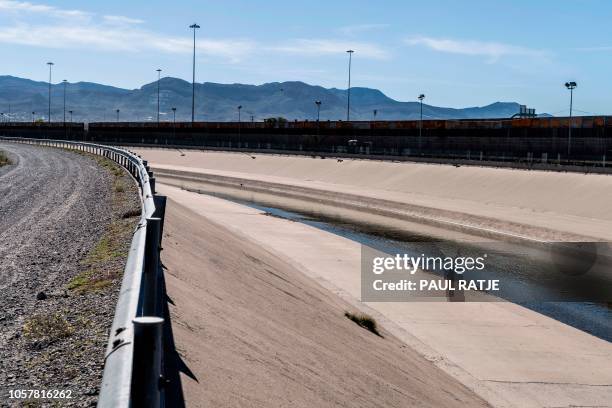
[318, 103]
[348, 99]
[571, 86]
[194, 26]
[158, 79]
[421, 97]
[50, 64]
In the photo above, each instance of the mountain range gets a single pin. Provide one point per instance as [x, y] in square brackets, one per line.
[92, 102]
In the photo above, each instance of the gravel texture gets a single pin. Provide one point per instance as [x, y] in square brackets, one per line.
[66, 222]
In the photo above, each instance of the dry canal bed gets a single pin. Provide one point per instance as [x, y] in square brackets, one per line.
[66, 221]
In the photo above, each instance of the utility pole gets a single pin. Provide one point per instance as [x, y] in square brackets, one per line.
[194, 26]
[571, 86]
[50, 64]
[348, 99]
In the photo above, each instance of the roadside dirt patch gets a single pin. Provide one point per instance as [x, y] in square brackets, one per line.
[63, 247]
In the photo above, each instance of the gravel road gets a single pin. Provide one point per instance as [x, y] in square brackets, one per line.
[55, 206]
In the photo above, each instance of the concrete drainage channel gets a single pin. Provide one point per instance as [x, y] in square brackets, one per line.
[133, 363]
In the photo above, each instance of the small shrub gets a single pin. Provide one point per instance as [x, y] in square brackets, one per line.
[47, 328]
[4, 160]
[132, 213]
[365, 321]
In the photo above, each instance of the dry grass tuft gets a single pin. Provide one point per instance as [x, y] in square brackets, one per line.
[365, 321]
[47, 328]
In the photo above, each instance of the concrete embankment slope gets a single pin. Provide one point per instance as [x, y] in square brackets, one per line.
[506, 354]
[544, 205]
[254, 331]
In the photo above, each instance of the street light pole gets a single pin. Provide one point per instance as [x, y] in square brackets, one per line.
[64, 82]
[194, 26]
[421, 97]
[348, 99]
[158, 79]
[318, 103]
[70, 112]
[50, 64]
[117, 111]
[33, 113]
[571, 86]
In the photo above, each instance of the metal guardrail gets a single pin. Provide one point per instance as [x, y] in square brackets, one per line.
[133, 374]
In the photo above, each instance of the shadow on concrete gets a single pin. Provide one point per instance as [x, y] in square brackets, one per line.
[173, 363]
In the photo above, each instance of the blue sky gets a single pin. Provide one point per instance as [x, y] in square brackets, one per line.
[459, 53]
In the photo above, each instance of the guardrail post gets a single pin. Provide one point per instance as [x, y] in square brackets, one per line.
[160, 212]
[150, 287]
[146, 366]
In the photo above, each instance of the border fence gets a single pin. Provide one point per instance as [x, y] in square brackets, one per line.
[581, 141]
[133, 372]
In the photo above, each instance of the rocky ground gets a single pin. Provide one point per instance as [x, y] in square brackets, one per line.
[66, 222]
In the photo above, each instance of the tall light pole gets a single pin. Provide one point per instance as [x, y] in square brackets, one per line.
[117, 111]
[70, 112]
[571, 86]
[33, 113]
[50, 64]
[318, 103]
[64, 82]
[348, 99]
[158, 79]
[194, 26]
[421, 97]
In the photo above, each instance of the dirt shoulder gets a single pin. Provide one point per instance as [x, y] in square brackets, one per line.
[63, 245]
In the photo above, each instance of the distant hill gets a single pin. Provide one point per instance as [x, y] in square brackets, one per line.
[218, 102]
